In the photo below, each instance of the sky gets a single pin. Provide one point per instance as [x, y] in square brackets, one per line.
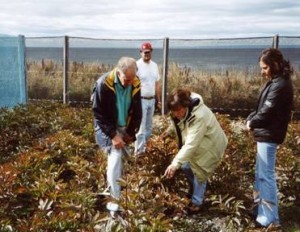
[150, 19]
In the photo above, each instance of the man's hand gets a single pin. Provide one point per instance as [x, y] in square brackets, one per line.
[127, 138]
[170, 171]
[118, 142]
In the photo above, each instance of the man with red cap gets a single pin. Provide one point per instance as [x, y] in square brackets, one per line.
[149, 75]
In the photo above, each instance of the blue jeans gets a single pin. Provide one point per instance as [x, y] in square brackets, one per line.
[265, 184]
[198, 188]
[148, 107]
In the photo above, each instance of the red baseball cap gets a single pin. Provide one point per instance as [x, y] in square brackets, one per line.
[146, 46]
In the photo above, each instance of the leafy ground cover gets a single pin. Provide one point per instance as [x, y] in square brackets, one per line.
[51, 174]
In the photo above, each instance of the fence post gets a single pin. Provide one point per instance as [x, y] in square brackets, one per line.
[275, 41]
[65, 69]
[22, 68]
[165, 76]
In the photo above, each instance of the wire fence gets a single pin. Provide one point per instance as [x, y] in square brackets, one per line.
[66, 68]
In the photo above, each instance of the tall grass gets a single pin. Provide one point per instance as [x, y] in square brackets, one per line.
[229, 88]
[45, 79]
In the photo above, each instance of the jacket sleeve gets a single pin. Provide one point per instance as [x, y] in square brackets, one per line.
[250, 116]
[195, 133]
[103, 110]
[264, 115]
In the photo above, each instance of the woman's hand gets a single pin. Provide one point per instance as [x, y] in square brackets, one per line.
[170, 171]
[248, 125]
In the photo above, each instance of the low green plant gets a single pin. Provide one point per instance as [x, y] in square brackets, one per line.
[51, 178]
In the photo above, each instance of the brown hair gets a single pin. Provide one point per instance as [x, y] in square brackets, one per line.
[275, 60]
[179, 98]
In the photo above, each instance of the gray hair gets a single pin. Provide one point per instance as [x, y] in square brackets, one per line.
[126, 63]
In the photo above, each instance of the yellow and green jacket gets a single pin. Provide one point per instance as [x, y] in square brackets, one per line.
[105, 109]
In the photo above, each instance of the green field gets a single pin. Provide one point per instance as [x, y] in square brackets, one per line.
[52, 173]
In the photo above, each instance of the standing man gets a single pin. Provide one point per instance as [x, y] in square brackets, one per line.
[149, 76]
[117, 115]
[269, 123]
[201, 141]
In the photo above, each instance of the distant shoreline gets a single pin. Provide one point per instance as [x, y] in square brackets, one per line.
[214, 58]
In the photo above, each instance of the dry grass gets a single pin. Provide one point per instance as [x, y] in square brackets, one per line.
[229, 89]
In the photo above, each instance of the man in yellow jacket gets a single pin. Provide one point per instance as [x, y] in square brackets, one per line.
[201, 142]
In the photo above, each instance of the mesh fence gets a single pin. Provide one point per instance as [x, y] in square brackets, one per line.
[191, 63]
[12, 75]
[44, 63]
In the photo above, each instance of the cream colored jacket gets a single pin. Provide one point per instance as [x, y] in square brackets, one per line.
[203, 140]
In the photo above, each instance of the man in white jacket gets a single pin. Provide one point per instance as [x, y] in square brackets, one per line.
[201, 140]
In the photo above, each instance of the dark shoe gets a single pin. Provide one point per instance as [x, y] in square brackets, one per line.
[139, 157]
[258, 225]
[192, 209]
[274, 227]
[271, 227]
[253, 212]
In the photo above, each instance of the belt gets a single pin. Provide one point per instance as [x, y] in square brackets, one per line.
[148, 98]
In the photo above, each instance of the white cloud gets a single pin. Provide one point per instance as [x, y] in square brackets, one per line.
[128, 19]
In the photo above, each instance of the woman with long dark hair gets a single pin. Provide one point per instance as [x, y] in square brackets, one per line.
[269, 123]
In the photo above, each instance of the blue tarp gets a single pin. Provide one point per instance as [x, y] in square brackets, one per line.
[12, 71]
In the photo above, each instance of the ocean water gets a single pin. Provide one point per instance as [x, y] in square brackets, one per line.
[196, 58]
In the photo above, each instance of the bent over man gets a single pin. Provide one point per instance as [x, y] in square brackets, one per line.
[117, 117]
